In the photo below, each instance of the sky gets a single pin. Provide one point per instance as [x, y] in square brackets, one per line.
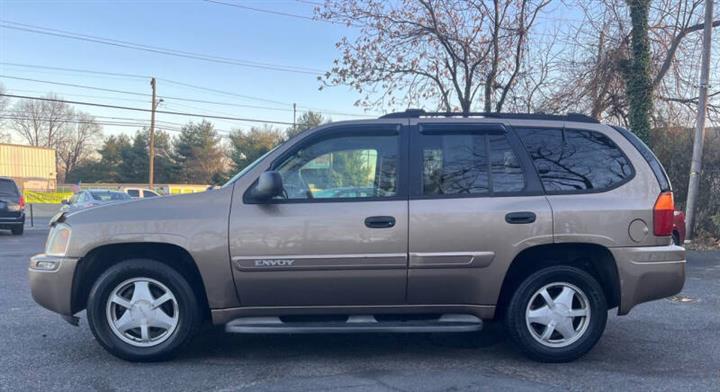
[195, 26]
[247, 82]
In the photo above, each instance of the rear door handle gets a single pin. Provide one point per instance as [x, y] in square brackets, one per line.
[380, 222]
[522, 217]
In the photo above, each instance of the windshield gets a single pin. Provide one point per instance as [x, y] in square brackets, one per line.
[250, 166]
[110, 196]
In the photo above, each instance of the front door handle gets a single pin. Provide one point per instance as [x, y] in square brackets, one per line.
[517, 218]
[380, 222]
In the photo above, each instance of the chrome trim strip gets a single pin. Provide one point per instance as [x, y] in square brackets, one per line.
[320, 262]
[451, 259]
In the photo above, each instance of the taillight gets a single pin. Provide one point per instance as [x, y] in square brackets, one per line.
[21, 202]
[663, 213]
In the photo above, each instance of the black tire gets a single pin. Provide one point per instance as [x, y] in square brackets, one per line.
[18, 230]
[519, 331]
[189, 317]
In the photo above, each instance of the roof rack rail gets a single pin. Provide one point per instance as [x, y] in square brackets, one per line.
[417, 113]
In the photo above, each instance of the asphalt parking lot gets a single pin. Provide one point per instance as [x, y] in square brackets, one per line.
[663, 345]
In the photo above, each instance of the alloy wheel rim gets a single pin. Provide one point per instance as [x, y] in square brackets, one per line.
[142, 312]
[558, 314]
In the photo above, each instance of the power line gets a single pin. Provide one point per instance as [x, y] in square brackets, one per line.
[61, 93]
[281, 13]
[74, 121]
[316, 109]
[88, 71]
[217, 91]
[136, 93]
[173, 127]
[318, 3]
[155, 49]
[148, 110]
[74, 85]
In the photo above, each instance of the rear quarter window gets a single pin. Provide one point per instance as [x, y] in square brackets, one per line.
[650, 158]
[575, 160]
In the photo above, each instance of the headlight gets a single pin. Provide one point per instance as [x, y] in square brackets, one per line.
[58, 240]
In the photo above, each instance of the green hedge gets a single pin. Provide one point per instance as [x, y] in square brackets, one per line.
[32, 197]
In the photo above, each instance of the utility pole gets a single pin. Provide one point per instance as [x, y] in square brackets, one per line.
[696, 165]
[294, 117]
[151, 141]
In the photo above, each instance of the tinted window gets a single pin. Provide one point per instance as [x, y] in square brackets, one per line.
[133, 192]
[507, 173]
[109, 196]
[8, 187]
[649, 156]
[469, 164]
[575, 160]
[343, 167]
[149, 194]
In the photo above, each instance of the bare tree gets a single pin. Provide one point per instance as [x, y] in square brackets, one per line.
[3, 99]
[428, 50]
[41, 123]
[599, 44]
[80, 141]
[54, 124]
[4, 136]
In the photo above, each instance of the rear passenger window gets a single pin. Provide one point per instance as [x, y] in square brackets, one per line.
[469, 164]
[507, 174]
[575, 160]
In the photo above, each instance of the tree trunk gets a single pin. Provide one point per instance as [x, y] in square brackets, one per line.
[636, 70]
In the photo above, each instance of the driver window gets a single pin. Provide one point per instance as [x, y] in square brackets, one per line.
[342, 167]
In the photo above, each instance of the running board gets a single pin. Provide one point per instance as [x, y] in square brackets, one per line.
[355, 324]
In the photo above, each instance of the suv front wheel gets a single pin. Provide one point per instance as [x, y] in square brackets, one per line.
[557, 314]
[142, 310]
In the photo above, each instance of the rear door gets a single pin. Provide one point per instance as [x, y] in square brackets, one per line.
[474, 205]
[339, 234]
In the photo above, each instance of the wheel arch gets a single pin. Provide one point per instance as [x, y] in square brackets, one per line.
[99, 259]
[592, 258]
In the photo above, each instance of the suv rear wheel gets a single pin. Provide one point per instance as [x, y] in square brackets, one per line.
[18, 230]
[557, 314]
[142, 310]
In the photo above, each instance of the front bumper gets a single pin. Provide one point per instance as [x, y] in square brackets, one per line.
[52, 288]
[648, 273]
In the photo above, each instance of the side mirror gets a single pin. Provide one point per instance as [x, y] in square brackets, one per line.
[65, 202]
[268, 186]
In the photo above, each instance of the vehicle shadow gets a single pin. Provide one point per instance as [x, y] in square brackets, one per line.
[215, 343]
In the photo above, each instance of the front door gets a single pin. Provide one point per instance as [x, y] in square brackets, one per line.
[338, 234]
[474, 205]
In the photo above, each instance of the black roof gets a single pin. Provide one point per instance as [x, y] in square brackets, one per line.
[417, 113]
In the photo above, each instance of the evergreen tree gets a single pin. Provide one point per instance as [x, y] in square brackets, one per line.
[199, 154]
[306, 121]
[246, 147]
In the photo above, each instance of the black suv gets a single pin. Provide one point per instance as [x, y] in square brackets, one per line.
[12, 207]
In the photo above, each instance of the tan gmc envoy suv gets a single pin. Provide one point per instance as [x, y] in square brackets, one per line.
[413, 222]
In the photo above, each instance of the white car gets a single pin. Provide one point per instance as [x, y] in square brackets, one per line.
[139, 193]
